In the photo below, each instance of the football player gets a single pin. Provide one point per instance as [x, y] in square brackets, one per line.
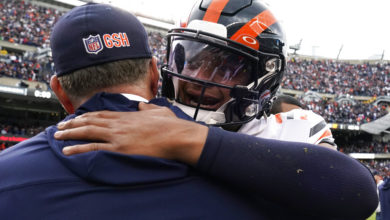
[224, 67]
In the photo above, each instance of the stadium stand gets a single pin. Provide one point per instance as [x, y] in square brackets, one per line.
[346, 113]
[24, 23]
[336, 77]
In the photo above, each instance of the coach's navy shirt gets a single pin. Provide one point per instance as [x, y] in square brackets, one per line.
[38, 182]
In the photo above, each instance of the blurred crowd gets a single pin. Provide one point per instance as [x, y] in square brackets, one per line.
[24, 23]
[4, 145]
[365, 147]
[20, 130]
[346, 113]
[338, 77]
[157, 44]
[25, 67]
[378, 167]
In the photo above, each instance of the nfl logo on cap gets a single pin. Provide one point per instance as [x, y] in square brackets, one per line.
[93, 44]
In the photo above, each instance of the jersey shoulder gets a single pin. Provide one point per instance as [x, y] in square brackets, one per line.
[299, 115]
[318, 130]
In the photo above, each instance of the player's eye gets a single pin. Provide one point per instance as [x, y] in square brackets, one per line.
[194, 64]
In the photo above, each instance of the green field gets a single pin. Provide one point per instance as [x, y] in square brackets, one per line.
[372, 217]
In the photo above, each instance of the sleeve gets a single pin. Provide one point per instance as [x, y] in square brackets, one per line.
[319, 130]
[304, 177]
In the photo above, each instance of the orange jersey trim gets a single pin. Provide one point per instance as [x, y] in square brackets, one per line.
[327, 133]
[278, 118]
[214, 10]
[304, 117]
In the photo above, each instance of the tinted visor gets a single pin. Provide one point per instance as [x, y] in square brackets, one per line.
[209, 63]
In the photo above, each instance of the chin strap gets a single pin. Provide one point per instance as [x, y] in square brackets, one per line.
[213, 118]
[209, 117]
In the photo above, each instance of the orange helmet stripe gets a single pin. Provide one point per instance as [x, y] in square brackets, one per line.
[214, 10]
[248, 33]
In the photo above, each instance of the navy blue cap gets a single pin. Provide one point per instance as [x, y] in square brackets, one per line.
[94, 34]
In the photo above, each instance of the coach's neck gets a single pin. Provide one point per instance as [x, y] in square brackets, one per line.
[146, 88]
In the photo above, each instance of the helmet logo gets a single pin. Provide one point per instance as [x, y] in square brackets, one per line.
[250, 40]
[183, 24]
[264, 98]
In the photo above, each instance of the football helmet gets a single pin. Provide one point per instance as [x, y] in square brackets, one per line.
[225, 63]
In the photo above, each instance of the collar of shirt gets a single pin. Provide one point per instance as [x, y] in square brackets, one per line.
[135, 97]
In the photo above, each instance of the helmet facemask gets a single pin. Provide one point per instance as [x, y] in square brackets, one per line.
[216, 80]
[236, 50]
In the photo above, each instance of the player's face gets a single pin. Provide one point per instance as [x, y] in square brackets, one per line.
[212, 65]
[213, 98]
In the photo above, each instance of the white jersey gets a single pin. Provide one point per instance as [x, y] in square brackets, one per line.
[297, 125]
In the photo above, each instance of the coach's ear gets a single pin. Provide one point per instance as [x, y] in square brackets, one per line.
[154, 75]
[61, 95]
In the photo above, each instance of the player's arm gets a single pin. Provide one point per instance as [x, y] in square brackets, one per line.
[329, 146]
[304, 177]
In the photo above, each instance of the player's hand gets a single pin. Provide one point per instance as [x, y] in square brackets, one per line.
[152, 131]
